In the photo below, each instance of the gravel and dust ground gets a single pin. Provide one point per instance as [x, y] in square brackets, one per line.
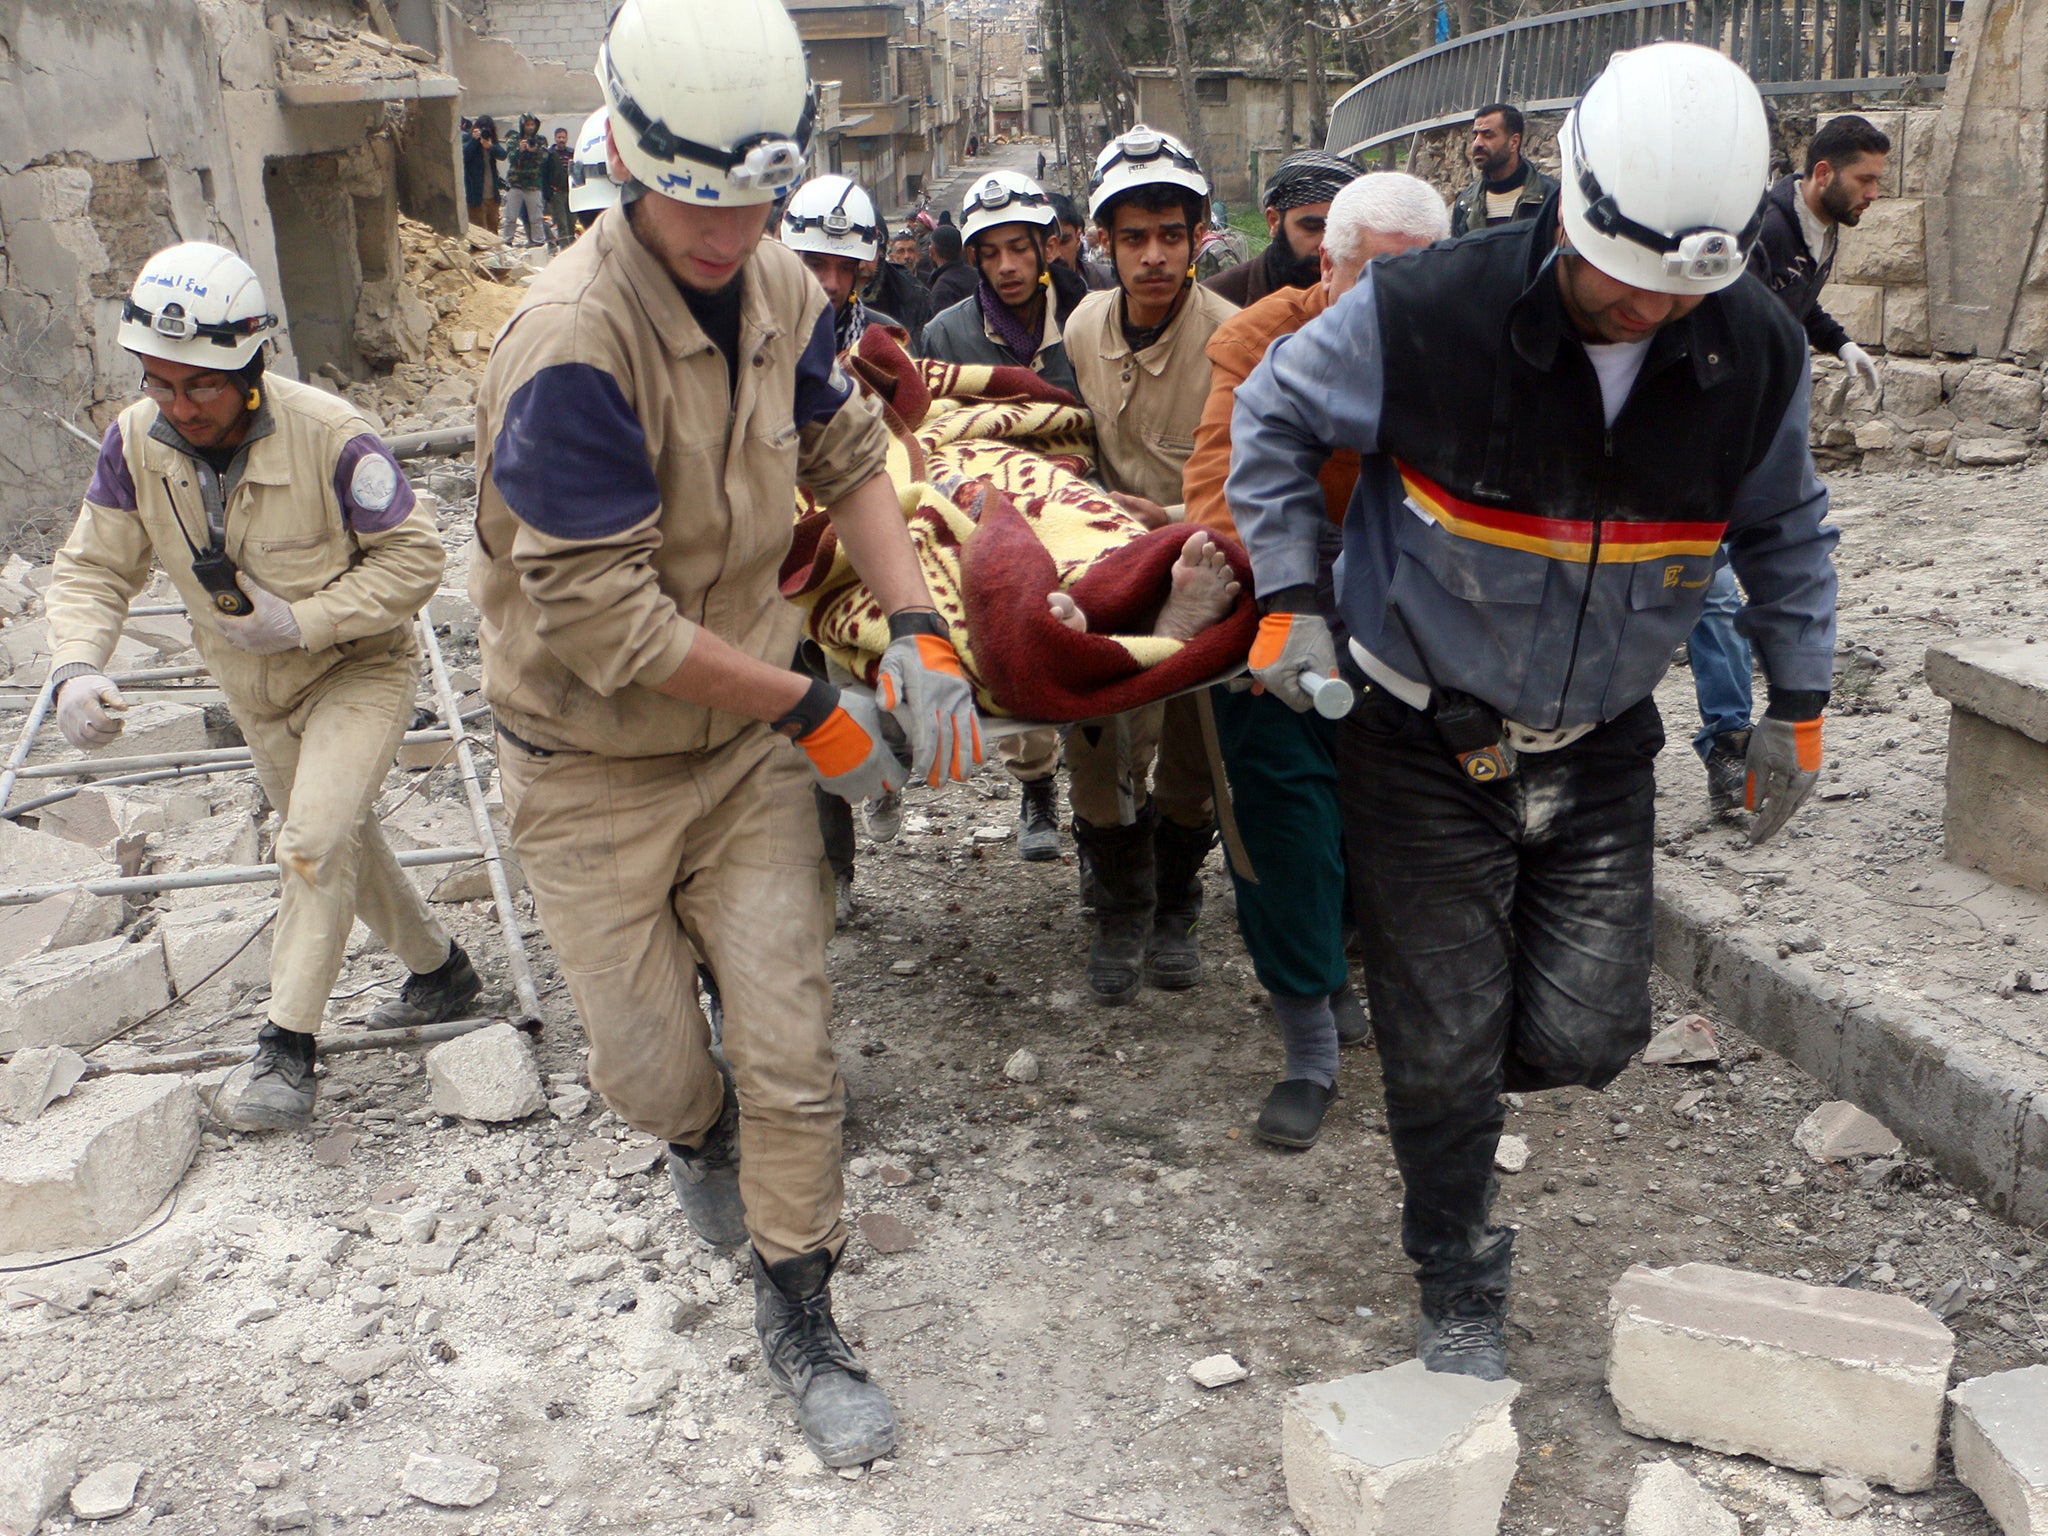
[1078, 1240]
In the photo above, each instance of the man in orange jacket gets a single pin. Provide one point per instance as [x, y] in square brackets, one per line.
[1283, 779]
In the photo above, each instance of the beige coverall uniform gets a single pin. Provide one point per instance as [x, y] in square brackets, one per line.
[629, 497]
[321, 516]
[1146, 407]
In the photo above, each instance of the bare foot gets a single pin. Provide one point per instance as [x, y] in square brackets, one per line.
[1067, 611]
[1204, 589]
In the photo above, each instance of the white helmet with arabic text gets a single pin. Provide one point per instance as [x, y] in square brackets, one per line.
[1142, 157]
[710, 102]
[590, 178]
[198, 304]
[832, 216]
[1004, 197]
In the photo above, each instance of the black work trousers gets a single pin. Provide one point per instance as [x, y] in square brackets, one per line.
[1507, 933]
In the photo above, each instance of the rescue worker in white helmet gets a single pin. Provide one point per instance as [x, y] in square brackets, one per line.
[644, 421]
[591, 188]
[1565, 425]
[831, 223]
[301, 555]
[1140, 356]
[1013, 319]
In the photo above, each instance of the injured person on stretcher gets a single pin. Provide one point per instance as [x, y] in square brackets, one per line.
[1063, 605]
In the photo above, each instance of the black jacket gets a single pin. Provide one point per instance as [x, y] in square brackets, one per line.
[952, 283]
[1469, 213]
[1781, 258]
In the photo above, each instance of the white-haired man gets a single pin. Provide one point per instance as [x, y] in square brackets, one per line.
[1281, 765]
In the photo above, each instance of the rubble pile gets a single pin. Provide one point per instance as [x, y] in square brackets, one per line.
[456, 295]
[317, 51]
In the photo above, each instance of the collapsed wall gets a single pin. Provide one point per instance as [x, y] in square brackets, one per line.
[291, 134]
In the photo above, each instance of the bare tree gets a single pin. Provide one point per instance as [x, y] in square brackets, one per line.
[1184, 65]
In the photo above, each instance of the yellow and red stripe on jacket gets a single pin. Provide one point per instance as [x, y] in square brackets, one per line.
[1620, 542]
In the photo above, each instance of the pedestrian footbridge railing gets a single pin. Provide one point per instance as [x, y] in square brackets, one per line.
[1543, 63]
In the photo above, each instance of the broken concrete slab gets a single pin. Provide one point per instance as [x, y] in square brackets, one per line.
[35, 1078]
[1999, 1434]
[231, 936]
[34, 1477]
[58, 922]
[1844, 1497]
[95, 1164]
[1215, 1371]
[230, 838]
[162, 725]
[108, 1493]
[1838, 1131]
[472, 882]
[80, 996]
[1667, 1500]
[1399, 1452]
[488, 1075]
[30, 857]
[448, 1480]
[1815, 1378]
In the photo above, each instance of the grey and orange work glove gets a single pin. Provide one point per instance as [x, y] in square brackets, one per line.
[921, 684]
[841, 735]
[89, 707]
[1291, 640]
[1783, 765]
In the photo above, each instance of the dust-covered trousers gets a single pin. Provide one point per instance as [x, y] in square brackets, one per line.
[322, 763]
[1507, 935]
[645, 868]
[1162, 743]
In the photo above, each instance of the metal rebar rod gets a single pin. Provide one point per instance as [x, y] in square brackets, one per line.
[421, 445]
[326, 1045]
[126, 781]
[202, 879]
[218, 756]
[26, 741]
[487, 835]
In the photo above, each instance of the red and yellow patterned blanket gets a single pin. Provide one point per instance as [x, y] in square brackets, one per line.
[992, 466]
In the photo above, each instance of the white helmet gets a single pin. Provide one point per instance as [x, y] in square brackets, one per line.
[832, 215]
[1666, 162]
[590, 178]
[710, 102]
[1004, 197]
[1140, 158]
[199, 304]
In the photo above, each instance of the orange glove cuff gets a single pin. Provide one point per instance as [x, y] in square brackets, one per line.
[1271, 640]
[1806, 742]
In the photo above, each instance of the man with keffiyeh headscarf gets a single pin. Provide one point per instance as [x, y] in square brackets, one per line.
[1297, 201]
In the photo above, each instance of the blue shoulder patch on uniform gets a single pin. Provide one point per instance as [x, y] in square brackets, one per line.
[570, 458]
[112, 485]
[822, 386]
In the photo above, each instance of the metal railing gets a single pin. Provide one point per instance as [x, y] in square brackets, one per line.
[1543, 63]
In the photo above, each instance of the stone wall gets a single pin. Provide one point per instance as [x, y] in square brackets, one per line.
[563, 31]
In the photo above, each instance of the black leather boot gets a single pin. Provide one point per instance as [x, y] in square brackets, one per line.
[1465, 1316]
[845, 1417]
[1038, 821]
[1120, 861]
[1173, 960]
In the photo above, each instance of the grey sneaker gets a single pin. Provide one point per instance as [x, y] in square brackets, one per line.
[884, 816]
[706, 1178]
[845, 1417]
[431, 996]
[278, 1091]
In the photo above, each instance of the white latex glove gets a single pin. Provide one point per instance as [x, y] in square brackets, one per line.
[1861, 369]
[267, 631]
[87, 710]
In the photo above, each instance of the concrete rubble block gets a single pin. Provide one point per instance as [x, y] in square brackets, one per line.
[1995, 817]
[58, 922]
[1989, 452]
[227, 937]
[108, 1493]
[1815, 1378]
[34, 1477]
[1889, 245]
[82, 995]
[1911, 389]
[1838, 1131]
[472, 881]
[1999, 677]
[161, 725]
[94, 1165]
[1860, 309]
[392, 324]
[2009, 400]
[35, 1078]
[487, 1075]
[1399, 1452]
[1667, 1500]
[1999, 1434]
[1905, 321]
[30, 857]
[448, 1480]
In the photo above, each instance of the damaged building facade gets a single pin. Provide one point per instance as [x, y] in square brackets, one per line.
[295, 133]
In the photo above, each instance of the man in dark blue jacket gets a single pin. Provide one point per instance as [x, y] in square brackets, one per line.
[1559, 421]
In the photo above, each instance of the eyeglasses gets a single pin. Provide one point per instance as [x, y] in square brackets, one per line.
[1700, 255]
[198, 394]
